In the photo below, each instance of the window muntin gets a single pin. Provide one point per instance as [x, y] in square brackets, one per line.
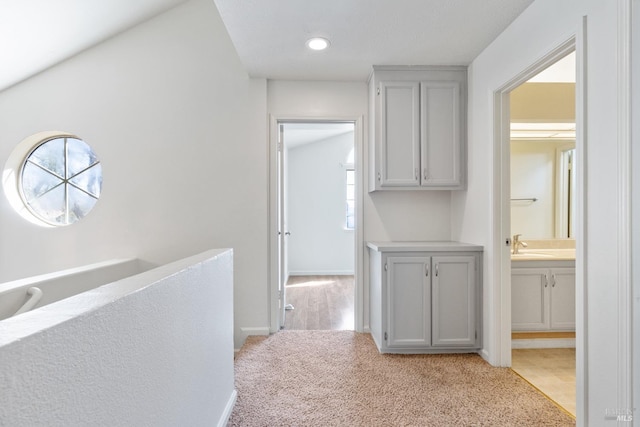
[60, 180]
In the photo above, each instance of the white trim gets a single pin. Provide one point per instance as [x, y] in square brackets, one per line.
[544, 343]
[624, 373]
[322, 273]
[273, 213]
[582, 350]
[635, 200]
[228, 409]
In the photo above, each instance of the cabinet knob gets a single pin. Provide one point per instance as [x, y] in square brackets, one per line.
[379, 177]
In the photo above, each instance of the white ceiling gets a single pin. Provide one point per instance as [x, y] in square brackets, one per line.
[563, 71]
[36, 34]
[270, 35]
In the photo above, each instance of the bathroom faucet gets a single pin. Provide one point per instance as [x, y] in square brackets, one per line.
[517, 243]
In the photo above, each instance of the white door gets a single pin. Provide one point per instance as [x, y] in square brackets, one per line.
[563, 299]
[400, 134]
[440, 134]
[529, 299]
[409, 302]
[283, 233]
[453, 300]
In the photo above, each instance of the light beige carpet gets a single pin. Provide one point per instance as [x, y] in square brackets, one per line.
[338, 378]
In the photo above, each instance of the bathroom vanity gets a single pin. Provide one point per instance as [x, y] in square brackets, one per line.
[543, 296]
[425, 297]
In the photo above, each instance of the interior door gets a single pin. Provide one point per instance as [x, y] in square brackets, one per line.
[282, 231]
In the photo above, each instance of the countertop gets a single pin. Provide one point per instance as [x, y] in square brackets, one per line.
[544, 255]
[432, 246]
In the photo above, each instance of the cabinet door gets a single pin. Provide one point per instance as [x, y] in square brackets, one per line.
[409, 300]
[440, 134]
[529, 299]
[399, 134]
[563, 298]
[453, 305]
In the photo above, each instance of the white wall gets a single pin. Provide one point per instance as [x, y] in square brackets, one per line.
[154, 349]
[180, 130]
[319, 242]
[542, 27]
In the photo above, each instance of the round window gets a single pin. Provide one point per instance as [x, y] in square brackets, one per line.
[59, 180]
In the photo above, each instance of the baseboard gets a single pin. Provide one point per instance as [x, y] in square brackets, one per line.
[485, 355]
[228, 409]
[322, 273]
[249, 331]
[544, 343]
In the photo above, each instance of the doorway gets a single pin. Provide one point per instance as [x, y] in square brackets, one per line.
[543, 199]
[316, 260]
[503, 236]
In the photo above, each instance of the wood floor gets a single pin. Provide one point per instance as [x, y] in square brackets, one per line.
[320, 303]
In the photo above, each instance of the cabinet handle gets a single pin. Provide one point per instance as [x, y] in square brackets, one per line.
[426, 176]
[546, 280]
[386, 267]
[416, 174]
[379, 177]
[426, 267]
[437, 270]
[553, 280]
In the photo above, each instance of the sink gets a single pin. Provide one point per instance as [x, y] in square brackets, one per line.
[531, 255]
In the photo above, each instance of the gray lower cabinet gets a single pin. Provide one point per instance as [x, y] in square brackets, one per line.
[543, 298]
[425, 301]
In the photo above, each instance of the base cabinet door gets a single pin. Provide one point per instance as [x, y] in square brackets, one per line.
[453, 301]
[563, 299]
[529, 299]
[409, 302]
[543, 299]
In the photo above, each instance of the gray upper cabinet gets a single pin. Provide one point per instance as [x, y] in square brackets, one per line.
[418, 128]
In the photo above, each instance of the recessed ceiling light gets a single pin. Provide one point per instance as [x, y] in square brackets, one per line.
[318, 43]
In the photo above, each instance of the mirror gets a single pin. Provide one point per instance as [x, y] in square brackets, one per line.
[543, 188]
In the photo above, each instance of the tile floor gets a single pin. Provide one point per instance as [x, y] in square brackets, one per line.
[551, 370]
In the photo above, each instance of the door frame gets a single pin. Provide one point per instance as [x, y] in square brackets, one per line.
[502, 209]
[273, 237]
